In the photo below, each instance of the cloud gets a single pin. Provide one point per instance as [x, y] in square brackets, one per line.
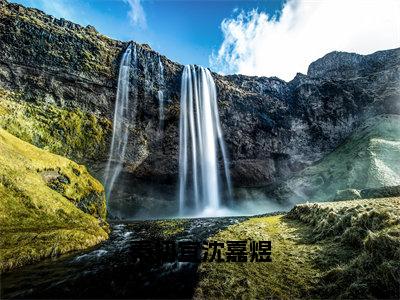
[256, 43]
[58, 9]
[136, 13]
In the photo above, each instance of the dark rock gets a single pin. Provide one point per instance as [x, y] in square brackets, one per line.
[272, 128]
[349, 194]
[382, 192]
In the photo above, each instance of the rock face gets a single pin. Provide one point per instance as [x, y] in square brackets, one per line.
[49, 204]
[273, 129]
[368, 160]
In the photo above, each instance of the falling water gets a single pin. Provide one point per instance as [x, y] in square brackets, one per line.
[161, 93]
[122, 119]
[200, 132]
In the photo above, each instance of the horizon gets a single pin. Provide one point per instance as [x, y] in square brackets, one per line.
[240, 44]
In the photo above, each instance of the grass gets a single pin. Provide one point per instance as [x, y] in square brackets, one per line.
[68, 132]
[49, 205]
[346, 249]
[289, 275]
[369, 158]
[366, 234]
[171, 228]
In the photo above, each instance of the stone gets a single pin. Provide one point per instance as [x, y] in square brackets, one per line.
[273, 129]
[348, 194]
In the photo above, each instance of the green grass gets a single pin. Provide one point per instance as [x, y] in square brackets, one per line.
[49, 205]
[369, 158]
[289, 275]
[344, 249]
[67, 132]
[171, 227]
[364, 260]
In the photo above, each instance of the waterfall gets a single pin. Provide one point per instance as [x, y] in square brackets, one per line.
[161, 93]
[123, 117]
[200, 138]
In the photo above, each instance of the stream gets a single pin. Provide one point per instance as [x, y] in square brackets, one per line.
[109, 271]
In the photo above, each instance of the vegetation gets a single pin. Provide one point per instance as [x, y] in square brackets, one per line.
[369, 158]
[341, 249]
[68, 132]
[289, 275]
[171, 227]
[63, 42]
[49, 204]
[366, 259]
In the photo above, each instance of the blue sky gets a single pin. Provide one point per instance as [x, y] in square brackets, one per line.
[231, 36]
[186, 31]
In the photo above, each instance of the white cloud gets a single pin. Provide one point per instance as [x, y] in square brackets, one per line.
[258, 44]
[58, 9]
[136, 13]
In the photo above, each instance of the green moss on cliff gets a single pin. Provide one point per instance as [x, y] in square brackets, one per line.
[70, 133]
[171, 227]
[369, 158]
[61, 42]
[340, 249]
[44, 198]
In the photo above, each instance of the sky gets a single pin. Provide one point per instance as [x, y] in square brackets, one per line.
[252, 37]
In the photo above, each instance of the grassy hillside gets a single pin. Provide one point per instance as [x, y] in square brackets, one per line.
[369, 158]
[68, 132]
[347, 249]
[48, 204]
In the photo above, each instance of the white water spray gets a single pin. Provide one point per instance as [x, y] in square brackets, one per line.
[200, 185]
[161, 93]
[123, 117]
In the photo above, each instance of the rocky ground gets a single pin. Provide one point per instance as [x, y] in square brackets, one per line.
[112, 271]
[345, 249]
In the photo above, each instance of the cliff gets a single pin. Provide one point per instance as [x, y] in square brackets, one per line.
[62, 78]
[367, 160]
